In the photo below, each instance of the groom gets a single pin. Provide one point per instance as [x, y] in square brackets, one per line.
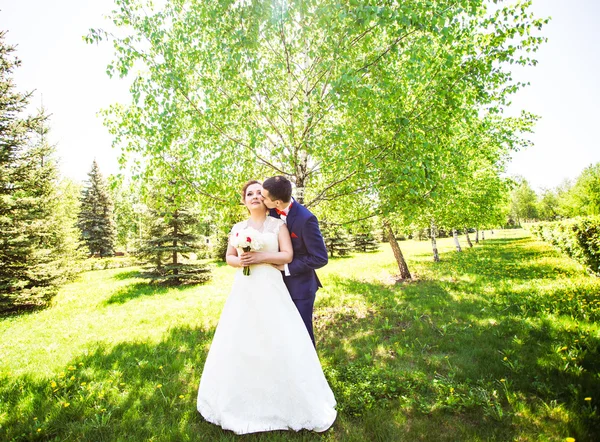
[307, 242]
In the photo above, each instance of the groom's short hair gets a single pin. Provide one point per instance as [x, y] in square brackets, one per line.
[279, 188]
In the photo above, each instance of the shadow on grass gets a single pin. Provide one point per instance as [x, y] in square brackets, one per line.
[138, 290]
[501, 258]
[11, 309]
[452, 349]
[341, 258]
[216, 263]
[128, 274]
[143, 391]
[422, 361]
[132, 391]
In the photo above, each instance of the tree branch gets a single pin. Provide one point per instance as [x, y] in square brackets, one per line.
[316, 199]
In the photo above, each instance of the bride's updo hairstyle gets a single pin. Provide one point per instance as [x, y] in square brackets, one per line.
[246, 185]
[279, 188]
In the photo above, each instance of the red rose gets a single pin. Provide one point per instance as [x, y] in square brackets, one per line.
[248, 239]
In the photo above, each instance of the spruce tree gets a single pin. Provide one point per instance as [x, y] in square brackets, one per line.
[32, 238]
[365, 235]
[65, 218]
[96, 215]
[365, 242]
[167, 247]
[13, 138]
[337, 241]
[49, 251]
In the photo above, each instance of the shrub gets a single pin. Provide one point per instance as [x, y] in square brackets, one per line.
[219, 251]
[579, 238]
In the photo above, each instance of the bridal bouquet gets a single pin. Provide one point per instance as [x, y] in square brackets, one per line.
[247, 240]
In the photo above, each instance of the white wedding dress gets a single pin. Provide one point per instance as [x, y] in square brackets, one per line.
[262, 372]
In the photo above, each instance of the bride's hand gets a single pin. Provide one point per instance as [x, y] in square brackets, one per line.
[249, 258]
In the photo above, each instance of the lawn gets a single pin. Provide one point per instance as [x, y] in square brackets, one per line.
[499, 342]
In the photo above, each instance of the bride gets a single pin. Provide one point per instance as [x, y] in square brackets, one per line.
[262, 372]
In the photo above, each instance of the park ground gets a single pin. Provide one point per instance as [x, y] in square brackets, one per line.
[499, 342]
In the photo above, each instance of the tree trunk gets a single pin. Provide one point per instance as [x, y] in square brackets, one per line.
[483, 235]
[175, 233]
[404, 273]
[476, 236]
[300, 194]
[468, 238]
[436, 256]
[301, 169]
[455, 235]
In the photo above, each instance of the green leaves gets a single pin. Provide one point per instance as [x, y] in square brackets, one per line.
[337, 96]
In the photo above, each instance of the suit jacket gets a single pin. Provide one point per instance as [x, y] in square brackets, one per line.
[309, 252]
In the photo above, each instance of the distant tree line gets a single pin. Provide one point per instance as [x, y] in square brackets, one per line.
[578, 197]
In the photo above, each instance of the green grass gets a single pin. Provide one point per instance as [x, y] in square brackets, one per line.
[499, 342]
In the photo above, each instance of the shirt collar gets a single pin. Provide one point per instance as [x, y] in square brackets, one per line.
[286, 211]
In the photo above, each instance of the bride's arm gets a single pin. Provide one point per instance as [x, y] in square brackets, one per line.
[232, 257]
[284, 256]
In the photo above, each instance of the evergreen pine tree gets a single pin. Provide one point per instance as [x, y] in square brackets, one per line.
[168, 244]
[43, 222]
[68, 236]
[13, 138]
[31, 255]
[96, 215]
[336, 240]
[365, 242]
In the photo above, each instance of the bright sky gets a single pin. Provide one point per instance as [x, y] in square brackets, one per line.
[565, 93]
[69, 76]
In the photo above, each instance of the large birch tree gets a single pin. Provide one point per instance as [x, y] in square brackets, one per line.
[344, 98]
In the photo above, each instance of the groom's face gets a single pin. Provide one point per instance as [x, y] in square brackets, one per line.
[267, 201]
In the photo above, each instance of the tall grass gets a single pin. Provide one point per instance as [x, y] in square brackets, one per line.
[499, 342]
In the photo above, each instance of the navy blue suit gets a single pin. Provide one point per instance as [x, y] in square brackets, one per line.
[309, 254]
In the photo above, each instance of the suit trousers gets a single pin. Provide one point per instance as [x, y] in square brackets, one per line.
[305, 307]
